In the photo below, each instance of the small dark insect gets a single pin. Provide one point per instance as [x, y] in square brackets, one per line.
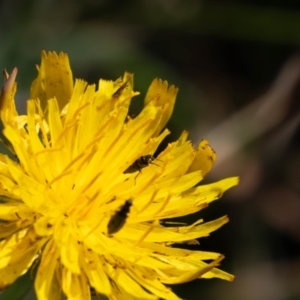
[118, 220]
[119, 91]
[141, 163]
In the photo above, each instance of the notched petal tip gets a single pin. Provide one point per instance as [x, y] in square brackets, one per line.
[164, 96]
[204, 159]
[55, 79]
[52, 55]
[160, 92]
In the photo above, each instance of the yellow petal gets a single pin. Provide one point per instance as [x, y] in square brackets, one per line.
[212, 191]
[10, 273]
[163, 96]
[17, 255]
[123, 87]
[75, 286]
[69, 252]
[127, 283]
[147, 279]
[92, 265]
[45, 273]
[8, 188]
[55, 289]
[35, 140]
[55, 125]
[205, 158]
[217, 273]
[183, 137]
[190, 275]
[54, 79]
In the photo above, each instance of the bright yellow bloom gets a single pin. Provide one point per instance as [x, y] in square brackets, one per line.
[68, 186]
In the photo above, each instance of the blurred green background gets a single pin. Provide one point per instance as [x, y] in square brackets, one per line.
[237, 65]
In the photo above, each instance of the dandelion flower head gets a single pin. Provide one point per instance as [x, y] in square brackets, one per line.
[85, 197]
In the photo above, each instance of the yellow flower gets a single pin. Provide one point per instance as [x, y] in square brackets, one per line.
[86, 200]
